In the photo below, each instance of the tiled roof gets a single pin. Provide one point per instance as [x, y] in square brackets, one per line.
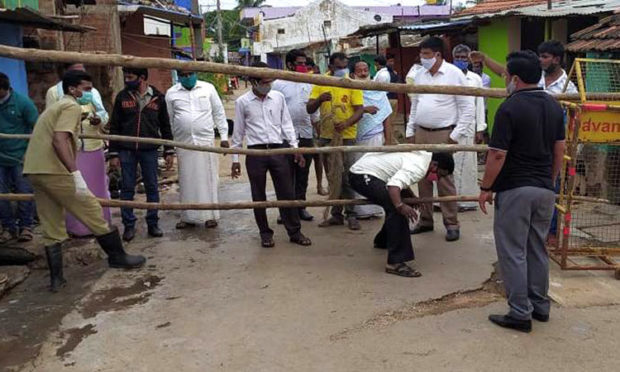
[491, 6]
[603, 36]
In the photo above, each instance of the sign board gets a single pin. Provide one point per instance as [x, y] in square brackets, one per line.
[599, 126]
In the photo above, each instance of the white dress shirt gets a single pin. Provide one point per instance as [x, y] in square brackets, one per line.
[475, 81]
[262, 121]
[195, 113]
[400, 169]
[434, 111]
[382, 76]
[557, 86]
[296, 96]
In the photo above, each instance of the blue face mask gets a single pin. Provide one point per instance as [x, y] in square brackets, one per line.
[462, 65]
[87, 97]
[188, 82]
[341, 72]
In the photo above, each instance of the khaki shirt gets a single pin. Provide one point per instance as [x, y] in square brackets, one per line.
[62, 116]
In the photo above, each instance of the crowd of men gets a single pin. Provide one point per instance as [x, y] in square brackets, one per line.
[67, 173]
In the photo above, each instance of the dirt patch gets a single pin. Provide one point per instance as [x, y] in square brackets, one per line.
[73, 338]
[490, 291]
[119, 298]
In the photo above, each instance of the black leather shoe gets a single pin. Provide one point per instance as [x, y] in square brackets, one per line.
[155, 232]
[421, 229]
[506, 321]
[453, 235]
[129, 234]
[305, 216]
[540, 317]
[279, 221]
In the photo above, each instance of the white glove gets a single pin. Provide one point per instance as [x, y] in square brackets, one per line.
[81, 189]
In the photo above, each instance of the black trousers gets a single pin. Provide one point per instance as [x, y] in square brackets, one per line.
[394, 235]
[280, 167]
[301, 174]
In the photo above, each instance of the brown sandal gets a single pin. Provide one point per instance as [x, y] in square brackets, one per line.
[25, 235]
[301, 239]
[402, 269]
[185, 225]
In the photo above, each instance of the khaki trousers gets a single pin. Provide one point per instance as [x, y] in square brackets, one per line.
[55, 194]
[445, 184]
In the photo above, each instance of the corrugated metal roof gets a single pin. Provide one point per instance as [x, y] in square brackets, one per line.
[434, 26]
[561, 8]
[491, 6]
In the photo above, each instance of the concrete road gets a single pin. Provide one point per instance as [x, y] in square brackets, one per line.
[215, 300]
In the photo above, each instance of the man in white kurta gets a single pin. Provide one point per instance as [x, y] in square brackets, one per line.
[466, 162]
[195, 110]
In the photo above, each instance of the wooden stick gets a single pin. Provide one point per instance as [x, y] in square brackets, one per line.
[257, 152]
[252, 205]
[39, 55]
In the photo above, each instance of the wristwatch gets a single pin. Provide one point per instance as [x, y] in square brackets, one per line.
[486, 189]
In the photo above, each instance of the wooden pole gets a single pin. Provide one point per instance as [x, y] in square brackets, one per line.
[39, 55]
[257, 152]
[262, 204]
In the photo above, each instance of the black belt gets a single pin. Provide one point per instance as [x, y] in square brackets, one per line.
[268, 146]
[437, 129]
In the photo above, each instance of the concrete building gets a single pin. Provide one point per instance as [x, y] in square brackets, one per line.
[318, 26]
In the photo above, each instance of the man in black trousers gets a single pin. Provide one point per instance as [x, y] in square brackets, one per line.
[385, 178]
[263, 119]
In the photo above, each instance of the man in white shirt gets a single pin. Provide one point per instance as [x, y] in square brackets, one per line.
[554, 78]
[466, 162]
[385, 178]
[382, 75]
[263, 119]
[195, 109]
[297, 96]
[439, 118]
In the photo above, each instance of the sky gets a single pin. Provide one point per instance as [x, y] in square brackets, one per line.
[208, 5]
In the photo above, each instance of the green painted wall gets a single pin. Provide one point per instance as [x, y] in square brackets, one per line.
[493, 41]
[12, 4]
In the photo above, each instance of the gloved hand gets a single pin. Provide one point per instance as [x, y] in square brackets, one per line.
[81, 189]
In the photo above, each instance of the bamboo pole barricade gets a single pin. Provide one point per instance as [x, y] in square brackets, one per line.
[271, 203]
[55, 56]
[256, 152]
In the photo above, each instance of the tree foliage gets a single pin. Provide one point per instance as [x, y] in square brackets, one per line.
[232, 29]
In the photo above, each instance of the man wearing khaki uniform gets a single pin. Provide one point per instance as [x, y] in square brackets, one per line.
[436, 119]
[50, 164]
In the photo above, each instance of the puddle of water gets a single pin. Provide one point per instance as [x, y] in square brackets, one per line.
[73, 338]
[119, 298]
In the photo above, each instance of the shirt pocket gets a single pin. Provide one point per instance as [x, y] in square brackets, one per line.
[204, 104]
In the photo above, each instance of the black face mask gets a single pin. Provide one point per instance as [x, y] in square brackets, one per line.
[132, 85]
[552, 68]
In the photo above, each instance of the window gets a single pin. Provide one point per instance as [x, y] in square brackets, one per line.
[281, 31]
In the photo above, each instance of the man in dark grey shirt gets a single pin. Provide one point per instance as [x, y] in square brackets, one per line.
[525, 156]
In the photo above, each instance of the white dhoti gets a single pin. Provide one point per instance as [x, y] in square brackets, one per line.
[198, 182]
[466, 173]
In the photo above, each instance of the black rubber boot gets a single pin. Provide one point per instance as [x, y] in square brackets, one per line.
[112, 244]
[54, 262]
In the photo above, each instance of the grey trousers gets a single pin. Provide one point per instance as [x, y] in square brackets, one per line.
[522, 219]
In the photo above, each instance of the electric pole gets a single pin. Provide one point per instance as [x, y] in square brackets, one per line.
[220, 42]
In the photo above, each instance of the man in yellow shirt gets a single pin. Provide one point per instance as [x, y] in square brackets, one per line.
[50, 164]
[341, 109]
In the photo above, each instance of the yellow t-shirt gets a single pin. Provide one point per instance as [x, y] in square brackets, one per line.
[63, 116]
[343, 100]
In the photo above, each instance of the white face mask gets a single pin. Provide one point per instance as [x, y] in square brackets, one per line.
[511, 87]
[428, 63]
